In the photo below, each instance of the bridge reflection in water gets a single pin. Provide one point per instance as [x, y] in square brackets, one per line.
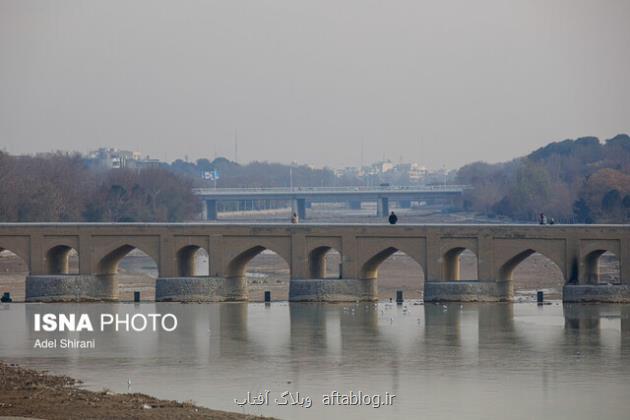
[495, 359]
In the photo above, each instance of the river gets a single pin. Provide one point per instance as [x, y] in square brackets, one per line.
[464, 361]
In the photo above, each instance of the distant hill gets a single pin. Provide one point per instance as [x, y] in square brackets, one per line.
[583, 180]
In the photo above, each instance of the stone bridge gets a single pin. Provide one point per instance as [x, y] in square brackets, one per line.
[575, 249]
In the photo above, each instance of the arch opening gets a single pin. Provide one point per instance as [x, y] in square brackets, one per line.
[129, 269]
[192, 261]
[260, 269]
[62, 259]
[530, 271]
[324, 262]
[602, 267]
[13, 273]
[395, 270]
[459, 264]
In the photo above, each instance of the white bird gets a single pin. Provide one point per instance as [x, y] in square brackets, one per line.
[128, 384]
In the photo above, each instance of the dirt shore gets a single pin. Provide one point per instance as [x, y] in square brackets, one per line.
[36, 394]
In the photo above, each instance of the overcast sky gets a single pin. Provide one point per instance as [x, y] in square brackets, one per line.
[438, 82]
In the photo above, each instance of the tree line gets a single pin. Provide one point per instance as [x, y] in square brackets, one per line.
[580, 181]
[261, 174]
[63, 188]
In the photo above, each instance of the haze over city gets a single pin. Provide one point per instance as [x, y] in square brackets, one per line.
[290, 209]
[440, 83]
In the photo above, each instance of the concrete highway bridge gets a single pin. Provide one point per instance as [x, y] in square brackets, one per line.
[301, 198]
[575, 249]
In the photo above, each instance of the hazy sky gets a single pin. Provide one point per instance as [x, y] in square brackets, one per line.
[439, 82]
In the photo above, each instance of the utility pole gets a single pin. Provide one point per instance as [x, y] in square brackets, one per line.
[291, 178]
[362, 145]
[236, 145]
[365, 176]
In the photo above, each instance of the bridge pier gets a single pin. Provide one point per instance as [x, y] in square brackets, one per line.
[467, 291]
[382, 207]
[604, 293]
[458, 202]
[211, 211]
[299, 207]
[333, 290]
[200, 289]
[71, 288]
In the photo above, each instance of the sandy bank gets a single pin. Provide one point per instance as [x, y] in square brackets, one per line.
[35, 394]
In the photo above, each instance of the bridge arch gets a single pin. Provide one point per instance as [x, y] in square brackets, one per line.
[506, 269]
[374, 251]
[15, 269]
[109, 250]
[108, 264]
[452, 264]
[188, 258]
[237, 265]
[593, 267]
[57, 260]
[17, 246]
[317, 262]
[369, 268]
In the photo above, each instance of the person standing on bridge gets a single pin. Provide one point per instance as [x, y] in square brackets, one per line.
[295, 219]
[393, 219]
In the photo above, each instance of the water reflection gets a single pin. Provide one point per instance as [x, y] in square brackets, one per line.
[308, 328]
[494, 359]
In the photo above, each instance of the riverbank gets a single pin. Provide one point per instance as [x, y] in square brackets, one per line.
[38, 394]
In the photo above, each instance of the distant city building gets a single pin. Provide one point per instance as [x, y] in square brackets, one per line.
[111, 158]
[388, 172]
[414, 172]
[349, 171]
[143, 163]
[384, 167]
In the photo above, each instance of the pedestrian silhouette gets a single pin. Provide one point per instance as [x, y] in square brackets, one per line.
[393, 219]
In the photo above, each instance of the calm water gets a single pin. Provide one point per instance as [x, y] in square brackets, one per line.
[442, 361]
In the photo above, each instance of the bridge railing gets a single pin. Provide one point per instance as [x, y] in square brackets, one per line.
[323, 190]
